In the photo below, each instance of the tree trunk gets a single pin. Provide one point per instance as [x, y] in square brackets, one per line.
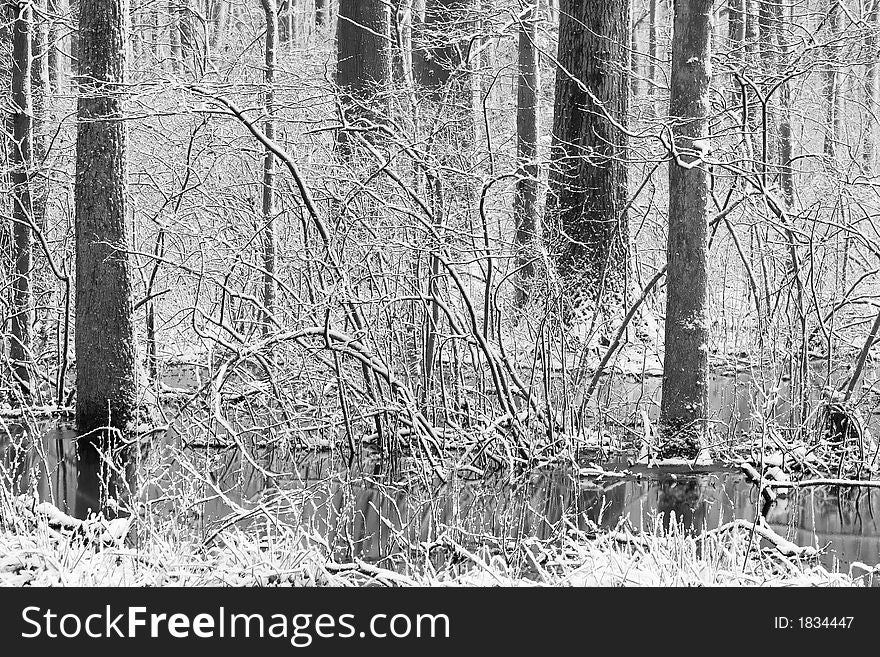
[363, 69]
[652, 56]
[527, 121]
[322, 12]
[736, 33]
[155, 28]
[439, 61]
[269, 233]
[21, 162]
[41, 95]
[830, 84]
[633, 66]
[768, 17]
[872, 92]
[174, 35]
[684, 406]
[219, 19]
[751, 71]
[402, 33]
[73, 12]
[588, 181]
[786, 148]
[188, 46]
[283, 10]
[105, 353]
[57, 45]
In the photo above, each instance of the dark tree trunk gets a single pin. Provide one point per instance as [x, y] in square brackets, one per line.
[768, 48]
[21, 161]
[588, 182]
[439, 62]
[683, 410]
[527, 108]
[284, 9]
[322, 12]
[786, 147]
[269, 235]
[105, 353]
[363, 69]
[40, 94]
[736, 34]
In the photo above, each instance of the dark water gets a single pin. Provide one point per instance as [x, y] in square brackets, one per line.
[370, 513]
[737, 398]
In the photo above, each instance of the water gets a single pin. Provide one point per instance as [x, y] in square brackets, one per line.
[368, 513]
[734, 398]
[371, 512]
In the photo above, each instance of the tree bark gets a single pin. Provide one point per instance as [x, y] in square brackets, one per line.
[684, 405]
[57, 46]
[105, 353]
[270, 238]
[21, 155]
[439, 61]
[527, 121]
[322, 12]
[403, 55]
[830, 84]
[219, 20]
[588, 180]
[768, 18]
[652, 56]
[73, 11]
[188, 46]
[872, 92]
[786, 146]
[174, 35]
[41, 98]
[363, 69]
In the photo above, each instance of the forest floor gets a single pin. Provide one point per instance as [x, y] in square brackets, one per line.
[41, 546]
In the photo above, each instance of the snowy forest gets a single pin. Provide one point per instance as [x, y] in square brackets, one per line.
[412, 292]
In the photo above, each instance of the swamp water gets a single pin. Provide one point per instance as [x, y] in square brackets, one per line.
[364, 510]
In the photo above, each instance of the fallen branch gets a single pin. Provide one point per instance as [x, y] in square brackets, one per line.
[36, 411]
[752, 473]
[823, 482]
[372, 571]
[783, 545]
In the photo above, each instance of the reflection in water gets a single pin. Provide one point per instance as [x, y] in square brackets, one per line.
[734, 399]
[102, 486]
[70, 474]
[373, 516]
[681, 500]
[88, 481]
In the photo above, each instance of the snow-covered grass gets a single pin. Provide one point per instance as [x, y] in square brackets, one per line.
[37, 548]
